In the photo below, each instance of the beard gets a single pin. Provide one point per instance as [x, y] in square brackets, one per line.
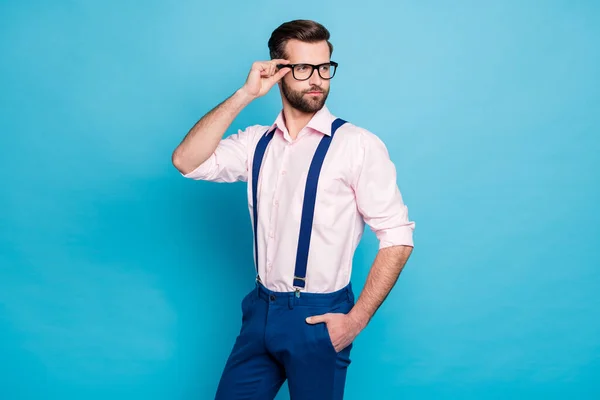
[306, 104]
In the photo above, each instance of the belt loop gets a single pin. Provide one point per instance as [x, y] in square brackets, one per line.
[291, 301]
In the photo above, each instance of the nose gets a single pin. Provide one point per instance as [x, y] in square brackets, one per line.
[315, 78]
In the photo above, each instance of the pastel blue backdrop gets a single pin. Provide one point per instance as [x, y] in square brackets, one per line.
[119, 279]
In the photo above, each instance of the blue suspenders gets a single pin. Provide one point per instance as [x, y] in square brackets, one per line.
[259, 154]
[308, 207]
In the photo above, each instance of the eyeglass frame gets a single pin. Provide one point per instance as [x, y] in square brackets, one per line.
[313, 66]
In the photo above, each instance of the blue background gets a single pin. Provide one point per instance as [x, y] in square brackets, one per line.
[120, 279]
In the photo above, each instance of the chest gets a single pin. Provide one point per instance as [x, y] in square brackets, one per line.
[284, 173]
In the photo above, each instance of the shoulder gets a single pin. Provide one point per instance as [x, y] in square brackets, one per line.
[362, 137]
[252, 131]
[250, 135]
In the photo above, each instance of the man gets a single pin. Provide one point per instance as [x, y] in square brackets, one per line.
[313, 182]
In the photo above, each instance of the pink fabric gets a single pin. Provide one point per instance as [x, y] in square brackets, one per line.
[357, 185]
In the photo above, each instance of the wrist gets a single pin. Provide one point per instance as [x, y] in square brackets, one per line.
[359, 317]
[243, 94]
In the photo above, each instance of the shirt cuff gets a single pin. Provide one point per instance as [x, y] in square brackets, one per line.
[204, 170]
[399, 236]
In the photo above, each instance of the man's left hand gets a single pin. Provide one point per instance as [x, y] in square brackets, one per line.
[343, 329]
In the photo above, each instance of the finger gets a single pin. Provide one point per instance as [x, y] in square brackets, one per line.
[266, 71]
[279, 61]
[259, 66]
[276, 61]
[280, 74]
[262, 68]
[268, 68]
[317, 319]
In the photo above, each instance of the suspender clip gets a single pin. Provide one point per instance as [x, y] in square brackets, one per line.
[298, 286]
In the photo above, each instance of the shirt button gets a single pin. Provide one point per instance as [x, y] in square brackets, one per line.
[271, 234]
[283, 172]
[276, 202]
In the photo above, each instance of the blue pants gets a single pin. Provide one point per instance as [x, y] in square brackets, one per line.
[276, 343]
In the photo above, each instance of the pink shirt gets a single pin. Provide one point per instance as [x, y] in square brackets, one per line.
[357, 185]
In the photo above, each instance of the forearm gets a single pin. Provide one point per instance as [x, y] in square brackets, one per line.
[204, 137]
[382, 277]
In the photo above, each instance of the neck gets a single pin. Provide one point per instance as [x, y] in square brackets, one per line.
[295, 120]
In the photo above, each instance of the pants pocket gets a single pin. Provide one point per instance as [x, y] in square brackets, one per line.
[342, 308]
[247, 302]
[327, 338]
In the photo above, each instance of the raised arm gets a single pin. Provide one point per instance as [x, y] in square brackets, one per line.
[204, 137]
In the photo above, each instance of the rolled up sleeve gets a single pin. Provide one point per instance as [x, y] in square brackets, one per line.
[378, 197]
[229, 161]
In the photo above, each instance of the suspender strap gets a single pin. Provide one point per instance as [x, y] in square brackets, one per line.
[259, 154]
[308, 207]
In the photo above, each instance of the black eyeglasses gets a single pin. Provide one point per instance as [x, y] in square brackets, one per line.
[302, 72]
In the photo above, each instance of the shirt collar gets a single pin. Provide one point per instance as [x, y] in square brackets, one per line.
[320, 122]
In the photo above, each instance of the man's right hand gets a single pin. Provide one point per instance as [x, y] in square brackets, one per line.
[262, 77]
[204, 137]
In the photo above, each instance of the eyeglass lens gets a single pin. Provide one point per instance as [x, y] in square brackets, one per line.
[304, 71]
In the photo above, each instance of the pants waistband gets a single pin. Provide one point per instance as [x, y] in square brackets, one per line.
[306, 298]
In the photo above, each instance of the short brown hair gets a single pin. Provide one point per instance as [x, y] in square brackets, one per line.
[300, 29]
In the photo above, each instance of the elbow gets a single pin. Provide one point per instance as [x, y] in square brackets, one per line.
[179, 163]
[183, 163]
